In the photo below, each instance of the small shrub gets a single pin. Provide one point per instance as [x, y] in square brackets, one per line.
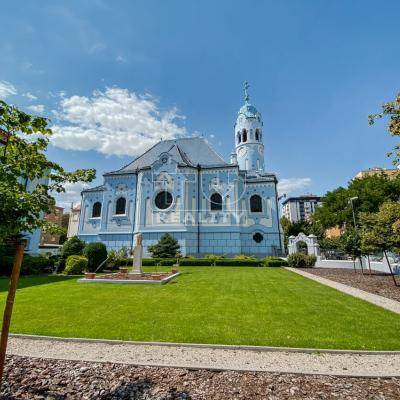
[95, 253]
[301, 260]
[75, 265]
[311, 260]
[274, 262]
[244, 257]
[73, 246]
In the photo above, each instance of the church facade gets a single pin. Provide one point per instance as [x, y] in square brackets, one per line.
[185, 188]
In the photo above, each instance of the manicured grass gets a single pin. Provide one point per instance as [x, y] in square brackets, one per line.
[249, 306]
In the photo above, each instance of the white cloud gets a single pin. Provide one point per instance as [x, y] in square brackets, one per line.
[120, 59]
[37, 108]
[289, 185]
[115, 122]
[7, 89]
[72, 194]
[30, 96]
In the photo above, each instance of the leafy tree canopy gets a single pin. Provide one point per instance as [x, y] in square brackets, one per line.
[24, 160]
[372, 192]
[391, 110]
[381, 230]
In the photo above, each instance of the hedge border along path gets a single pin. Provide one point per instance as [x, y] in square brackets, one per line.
[234, 358]
[384, 302]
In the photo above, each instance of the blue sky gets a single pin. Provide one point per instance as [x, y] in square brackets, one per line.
[114, 77]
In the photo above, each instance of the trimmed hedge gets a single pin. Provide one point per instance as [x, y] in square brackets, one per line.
[206, 262]
[75, 265]
[31, 265]
[195, 262]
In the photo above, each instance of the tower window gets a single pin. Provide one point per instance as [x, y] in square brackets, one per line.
[244, 135]
[255, 203]
[257, 135]
[120, 206]
[96, 210]
[216, 202]
[239, 138]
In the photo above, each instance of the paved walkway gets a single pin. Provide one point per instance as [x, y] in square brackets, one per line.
[389, 304]
[210, 357]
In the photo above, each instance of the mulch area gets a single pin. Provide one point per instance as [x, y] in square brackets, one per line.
[30, 378]
[136, 277]
[377, 283]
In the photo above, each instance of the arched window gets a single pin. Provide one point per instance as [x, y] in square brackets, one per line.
[257, 135]
[255, 203]
[239, 138]
[244, 135]
[216, 202]
[96, 210]
[120, 206]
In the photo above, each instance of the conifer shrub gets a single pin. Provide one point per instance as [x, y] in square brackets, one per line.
[95, 253]
[167, 247]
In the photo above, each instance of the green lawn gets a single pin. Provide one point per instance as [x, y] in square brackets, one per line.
[249, 306]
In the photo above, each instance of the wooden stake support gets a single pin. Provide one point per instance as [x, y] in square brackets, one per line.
[12, 288]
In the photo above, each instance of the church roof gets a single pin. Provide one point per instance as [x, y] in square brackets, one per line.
[190, 151]
[248, 110]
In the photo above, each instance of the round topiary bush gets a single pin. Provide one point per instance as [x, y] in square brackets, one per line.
[95, 253]
[73, 246]
[75, 265]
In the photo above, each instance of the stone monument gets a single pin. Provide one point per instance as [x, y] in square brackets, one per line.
[137, 256]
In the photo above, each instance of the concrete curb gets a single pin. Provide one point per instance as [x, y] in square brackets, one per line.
[384, 302]
[129, 281]
[208, 346]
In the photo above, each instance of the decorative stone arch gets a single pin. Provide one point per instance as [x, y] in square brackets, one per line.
[310, 241]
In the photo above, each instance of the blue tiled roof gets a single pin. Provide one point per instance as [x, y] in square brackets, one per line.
[191, 151]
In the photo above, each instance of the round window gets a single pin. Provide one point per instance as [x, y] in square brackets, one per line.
[163, 200]
[257, 237]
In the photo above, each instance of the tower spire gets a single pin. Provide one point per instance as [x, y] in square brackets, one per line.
[246, 93]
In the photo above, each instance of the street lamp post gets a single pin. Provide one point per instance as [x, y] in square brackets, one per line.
[352, 199]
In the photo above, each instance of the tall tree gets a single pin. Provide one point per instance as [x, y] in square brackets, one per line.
[371, 192]
[391, 110]
[22, 160]
[380, 231]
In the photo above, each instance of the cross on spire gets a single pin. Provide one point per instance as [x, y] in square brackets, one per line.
[246, 93]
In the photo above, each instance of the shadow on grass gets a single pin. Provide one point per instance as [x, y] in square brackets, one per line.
[34, 280]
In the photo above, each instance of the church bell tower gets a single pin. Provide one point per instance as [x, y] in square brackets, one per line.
[249, 137]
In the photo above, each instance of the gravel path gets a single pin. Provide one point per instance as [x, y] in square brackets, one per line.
[341, 364]
[40, 379]
[389, 304]
[377, 282]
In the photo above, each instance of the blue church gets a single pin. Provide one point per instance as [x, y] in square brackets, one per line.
[185, 188]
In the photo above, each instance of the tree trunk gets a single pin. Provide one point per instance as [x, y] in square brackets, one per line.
[390, 267]
[361, 264]
[369, 265]
[354, 265]
[9, 304]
